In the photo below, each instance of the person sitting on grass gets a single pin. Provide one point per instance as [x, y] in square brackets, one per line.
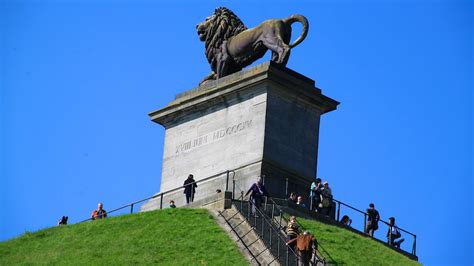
[172, 205]
[346, 220]
[99, 213]
[63, 220]
[393, 233]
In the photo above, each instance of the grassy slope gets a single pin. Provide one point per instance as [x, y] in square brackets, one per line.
[344, 247]
[171, 236]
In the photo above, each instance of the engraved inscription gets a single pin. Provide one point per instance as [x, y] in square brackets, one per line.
[213, 136]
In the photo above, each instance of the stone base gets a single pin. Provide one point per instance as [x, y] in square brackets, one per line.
[264, 120]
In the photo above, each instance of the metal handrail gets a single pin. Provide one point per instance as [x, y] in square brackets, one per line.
[286, 220]
[339, 203]
[161, 194]
[271, 220]
[353, 208]
[413, 251]
[239, 237]
[385, 222]
[302, 227]
[270, 223]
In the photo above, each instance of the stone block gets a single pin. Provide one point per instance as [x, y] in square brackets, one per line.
[264, 120]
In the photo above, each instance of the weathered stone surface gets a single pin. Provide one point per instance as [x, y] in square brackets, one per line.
[264, 120]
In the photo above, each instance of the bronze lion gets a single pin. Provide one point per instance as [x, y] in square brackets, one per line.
[231, 46]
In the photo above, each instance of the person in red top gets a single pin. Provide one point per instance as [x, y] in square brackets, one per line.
[99, 213]
[304, 246]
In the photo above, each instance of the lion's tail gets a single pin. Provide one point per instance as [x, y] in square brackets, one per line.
[302, 19]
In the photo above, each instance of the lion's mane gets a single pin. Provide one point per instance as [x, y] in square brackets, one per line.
[224, 24]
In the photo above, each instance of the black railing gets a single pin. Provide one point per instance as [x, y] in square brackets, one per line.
[161, 195]
[268, 232]
[227, 174]
[241, 237]
[339, 203]
[270, 224]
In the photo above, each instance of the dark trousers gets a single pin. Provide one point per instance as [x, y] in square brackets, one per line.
[396, 243]
[189, 197]
[291, 245]
[256, 203]
[371, 228]
[315, 200]
[305, 257]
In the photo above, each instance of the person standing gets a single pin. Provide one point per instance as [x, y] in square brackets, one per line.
[257, 191]
[305, 245]
[292, 231]
[99, 213]
[315, 194]
[373, 218]
[326, 199]
[189, 188]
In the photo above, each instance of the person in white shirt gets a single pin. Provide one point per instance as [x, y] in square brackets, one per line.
[394, 233]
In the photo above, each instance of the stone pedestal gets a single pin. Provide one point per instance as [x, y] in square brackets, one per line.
[264, 120]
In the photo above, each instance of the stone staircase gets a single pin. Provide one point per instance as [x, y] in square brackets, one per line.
[246, 237]
[270, 224]
[261, 238]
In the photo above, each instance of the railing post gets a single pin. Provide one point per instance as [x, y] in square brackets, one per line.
[390, 235]
[131, 208]
[254, 215]
[270, 227]
[248, 207]
[233, 188]
[279, 223]
[414, 245]
[161, 201]
[266, 199]
[273, 211]
[365, 223]
[338, 210]
[278, 248]
[227, 181]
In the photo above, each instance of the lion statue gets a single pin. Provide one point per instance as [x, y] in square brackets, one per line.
[231, 46]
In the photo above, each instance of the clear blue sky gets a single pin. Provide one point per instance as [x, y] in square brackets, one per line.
[79, 77]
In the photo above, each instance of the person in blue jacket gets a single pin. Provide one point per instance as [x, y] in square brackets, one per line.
[257, 191]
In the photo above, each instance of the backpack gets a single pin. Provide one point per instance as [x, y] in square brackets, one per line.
[305, 242]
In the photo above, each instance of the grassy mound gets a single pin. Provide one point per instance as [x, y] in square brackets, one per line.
[344, 247]
[171, 236]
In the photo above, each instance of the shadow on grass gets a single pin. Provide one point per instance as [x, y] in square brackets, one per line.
[329, 259]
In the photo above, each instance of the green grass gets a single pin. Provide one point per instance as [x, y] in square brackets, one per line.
[344, 247]
[166, 237]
